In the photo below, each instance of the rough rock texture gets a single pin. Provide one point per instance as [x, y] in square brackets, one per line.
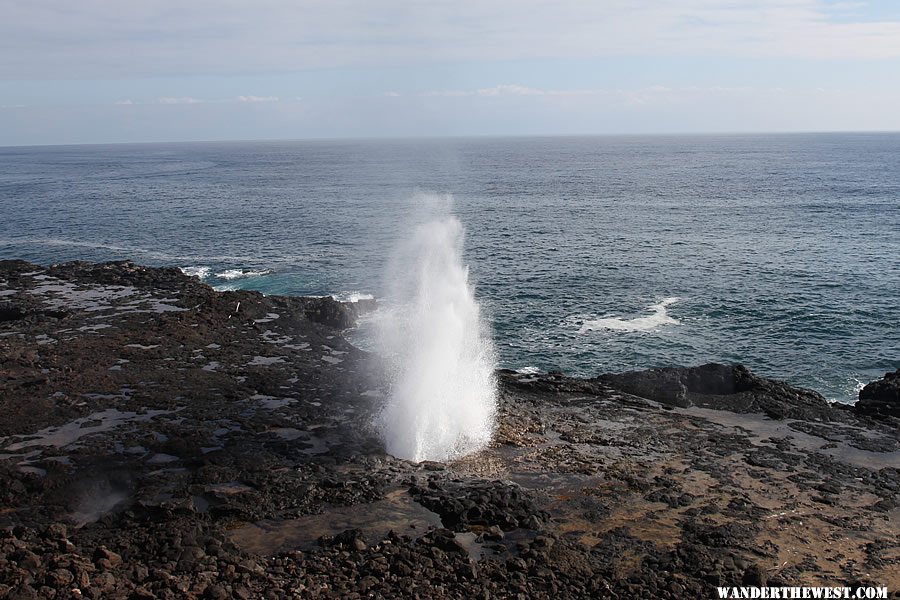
[881, 398]
[163, 440]
[724, 387]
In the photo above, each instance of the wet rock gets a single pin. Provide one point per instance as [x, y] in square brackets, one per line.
[12, 312]
[487, 504]
[723, 387]
[880, 398]
[329, 312]
[444, 540]
[353, 539]
[663, 385]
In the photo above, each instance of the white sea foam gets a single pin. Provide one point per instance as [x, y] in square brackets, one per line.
[438, 351]
[352, 296]
[201, 272]
[659, 318]
[528, 370]
[232, 274]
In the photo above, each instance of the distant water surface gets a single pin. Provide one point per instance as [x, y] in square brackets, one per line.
[590, 254]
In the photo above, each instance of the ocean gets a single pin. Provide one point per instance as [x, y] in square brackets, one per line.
[588, 254]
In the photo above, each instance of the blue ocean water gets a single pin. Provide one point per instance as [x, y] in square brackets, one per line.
[590, 254]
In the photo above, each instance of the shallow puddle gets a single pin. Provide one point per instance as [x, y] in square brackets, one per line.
[69, 433]
[398, 512]
[761, 428]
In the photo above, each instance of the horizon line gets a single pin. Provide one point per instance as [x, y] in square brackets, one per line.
[409, 138]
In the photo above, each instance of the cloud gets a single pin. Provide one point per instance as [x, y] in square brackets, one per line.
[142, 38]
[182, 100]
[710, 108]
[257, 98]
[510, 90]
[641, 96]
[390, 95]
[124, 102]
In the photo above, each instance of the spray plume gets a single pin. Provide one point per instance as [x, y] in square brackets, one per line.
[439, 352]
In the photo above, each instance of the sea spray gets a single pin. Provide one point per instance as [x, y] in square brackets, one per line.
[438, 351]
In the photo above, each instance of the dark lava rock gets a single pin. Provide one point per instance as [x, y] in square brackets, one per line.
[329, 312]
[553, 382]
[881, 397]
[216, 592]
[663, 385]
[353, 539]
[12, 312]
[754, 576]
[112, 559]
[443, 539]
[487, 504]
[723, 387]
[217, 435]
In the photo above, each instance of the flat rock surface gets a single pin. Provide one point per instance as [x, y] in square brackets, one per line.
[163, 440]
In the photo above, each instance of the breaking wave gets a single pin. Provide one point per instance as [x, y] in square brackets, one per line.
[200, 272]
[652, 322]
[352, 296]
[232, 274]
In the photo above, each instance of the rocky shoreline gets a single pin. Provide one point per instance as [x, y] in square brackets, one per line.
[164, 440]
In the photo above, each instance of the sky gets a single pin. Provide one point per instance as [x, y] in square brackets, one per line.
[101, 71]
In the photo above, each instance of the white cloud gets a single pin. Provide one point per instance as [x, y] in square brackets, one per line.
[124, 102]
[59, 38]
[181, 100]
[390, 95]
[510, 90]
[257, 98]
[635, 97]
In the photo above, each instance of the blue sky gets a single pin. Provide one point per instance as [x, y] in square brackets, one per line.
[98, 71]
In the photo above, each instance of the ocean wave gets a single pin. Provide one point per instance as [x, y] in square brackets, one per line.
[352, 296]
[127, 251]
[855, 384]
[226, 287]
[659, 318]
[201, 272]
[528, 370]
[232, 274]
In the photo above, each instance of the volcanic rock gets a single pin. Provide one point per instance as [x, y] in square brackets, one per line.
[161, 439]
[881, 398]
[722, 387]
